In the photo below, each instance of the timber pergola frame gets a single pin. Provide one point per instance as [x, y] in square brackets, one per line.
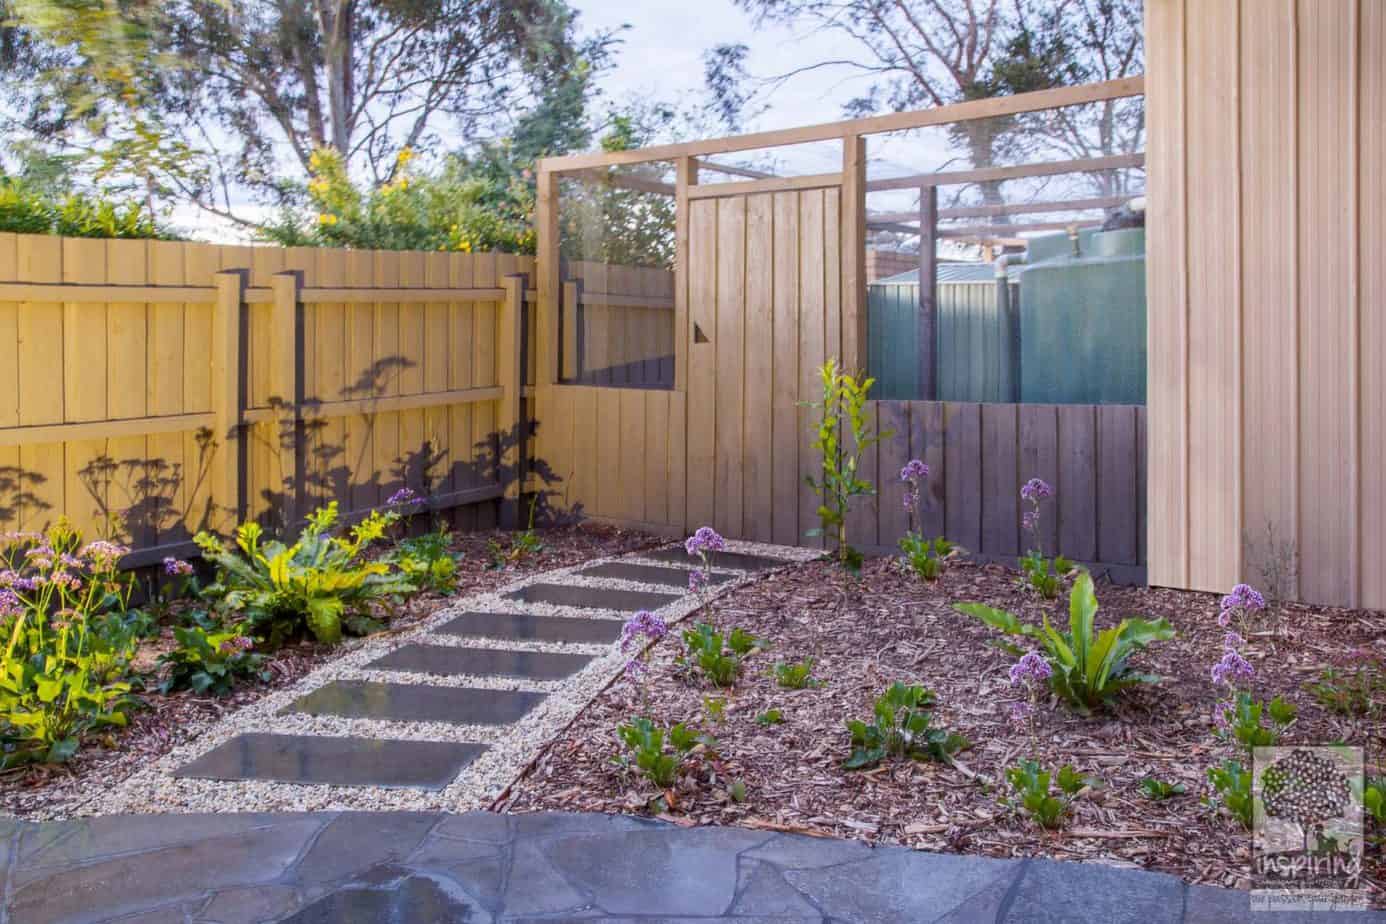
[690, 157]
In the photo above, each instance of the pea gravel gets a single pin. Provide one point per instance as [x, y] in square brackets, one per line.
[154, 789]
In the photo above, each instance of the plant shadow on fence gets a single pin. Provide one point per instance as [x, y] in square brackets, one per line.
[313, 457]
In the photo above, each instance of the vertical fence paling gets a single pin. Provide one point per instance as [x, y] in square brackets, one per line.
[217, 443]
[228, 462]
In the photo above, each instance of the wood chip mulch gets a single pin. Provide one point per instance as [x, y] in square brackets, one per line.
[163, 722]
[895, 627]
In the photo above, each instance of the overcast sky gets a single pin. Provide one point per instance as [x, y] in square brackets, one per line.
[662, 55]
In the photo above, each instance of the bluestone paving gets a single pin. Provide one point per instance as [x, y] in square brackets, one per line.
[416, 702]
[334, 761]
[528, 627]
[601, 598]
[648, 574]
[481, 662]
[413, 867]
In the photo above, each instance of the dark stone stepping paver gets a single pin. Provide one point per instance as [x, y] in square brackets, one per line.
[606, 598]
[741, 561]
[647, 574]
[481, 662]
[410, 702]
[334, 761]
[531, 628]
[410, 898]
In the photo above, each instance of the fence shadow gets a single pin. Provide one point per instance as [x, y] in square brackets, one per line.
[148, 501]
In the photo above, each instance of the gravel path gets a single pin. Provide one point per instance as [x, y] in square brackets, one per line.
[509, 747]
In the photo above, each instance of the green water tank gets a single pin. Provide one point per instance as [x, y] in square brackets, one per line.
[1082, 319]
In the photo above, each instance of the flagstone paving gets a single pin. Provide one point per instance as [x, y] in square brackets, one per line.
[480, 867]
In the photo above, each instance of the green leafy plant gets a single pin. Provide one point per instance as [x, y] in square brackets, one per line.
[1158, 790]
[927, 557]
[646, 752]
[737, 791]
[1357, 688]
[1232, 788]
[715, 708]
[1374, 799]
[718, 658]
[844, 435]
[523, 545]
[796, 675]
[69, 642]
[211, 662]
[902, 728]
[321, 583]
[1256, 724]
[1088, 668]
[27, 210]
[1033, 794]
[427, 561]
[1045, 576]
[770, 717]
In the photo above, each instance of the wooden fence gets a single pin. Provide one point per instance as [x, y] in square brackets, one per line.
[979, 455]
[183, 386]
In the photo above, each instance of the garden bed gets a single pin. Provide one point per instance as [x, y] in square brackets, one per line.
[905, 630]
[163, 722]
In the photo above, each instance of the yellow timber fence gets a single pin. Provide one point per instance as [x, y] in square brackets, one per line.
[149, 389]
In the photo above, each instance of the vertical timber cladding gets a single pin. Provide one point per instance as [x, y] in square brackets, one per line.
[1266, 292]
[765, 297]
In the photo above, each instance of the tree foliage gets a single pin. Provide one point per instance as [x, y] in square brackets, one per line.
[236, 98]
[916, 54]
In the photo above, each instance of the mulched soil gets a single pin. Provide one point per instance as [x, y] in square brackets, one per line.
[899, 628]
[165, 721]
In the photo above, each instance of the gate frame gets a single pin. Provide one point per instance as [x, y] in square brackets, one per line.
[852, 133]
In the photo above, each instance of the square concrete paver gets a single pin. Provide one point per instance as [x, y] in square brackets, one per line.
[528, 627]
[481, 662]
[605, 598]
[647, 574]
[408, 702]
[334, 761]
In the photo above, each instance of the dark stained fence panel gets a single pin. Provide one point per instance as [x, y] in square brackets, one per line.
[980, 455]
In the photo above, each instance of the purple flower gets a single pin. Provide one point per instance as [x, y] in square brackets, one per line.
[1036, 490]
[705, 540]
[1232, 668]
[696, 581]
[635, 669]
[239, 643]
[643, 624]
[1232, 641]
[1031, 666]
[176, 566]
[10, 604]
[914, 471]
[1244, 597]
[1031, 520]
[401, 497]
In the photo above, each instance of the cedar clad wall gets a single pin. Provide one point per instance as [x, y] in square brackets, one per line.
[1267, 258]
